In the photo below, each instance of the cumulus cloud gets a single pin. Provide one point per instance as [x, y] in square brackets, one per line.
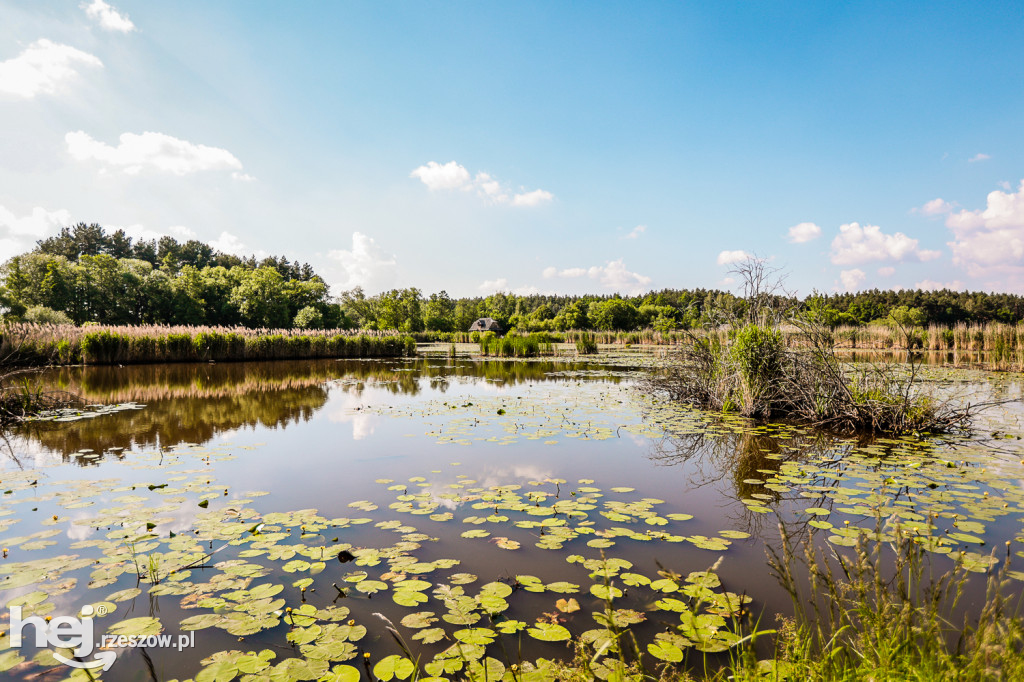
[139, 232]
[454, 176]
[851, 279]
[351, 410]
[934, 207]
[44, 67]
[731, 257]
[491, 286]
[932, 285]
[437, 176]
[613, 275]
[855, 244]
[108, 17]
[567, 273]
[636, 232]
[887, 271]
[991, 240]
[366, 264]
[978, 157]
[19, 234]
[229, 243]
[534, 198]
[151, 151]
[804, 232]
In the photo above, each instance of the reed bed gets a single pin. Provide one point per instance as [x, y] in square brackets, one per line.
[35, 344]
[515, 346]
[1002, 339]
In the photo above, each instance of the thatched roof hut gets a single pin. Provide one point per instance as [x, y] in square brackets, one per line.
[485, 324]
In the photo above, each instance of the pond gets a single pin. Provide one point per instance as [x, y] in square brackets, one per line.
[276, 519]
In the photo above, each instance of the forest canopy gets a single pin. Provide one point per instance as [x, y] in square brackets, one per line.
[85, 274]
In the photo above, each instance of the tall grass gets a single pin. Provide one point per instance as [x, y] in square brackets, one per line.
[515, 346]
[883, 613]
[30, 344]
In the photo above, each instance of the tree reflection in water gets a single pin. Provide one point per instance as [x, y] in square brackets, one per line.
[193, 403]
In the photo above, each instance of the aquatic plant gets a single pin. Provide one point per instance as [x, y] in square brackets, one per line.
[30, 344]
[883, 612]
[586, 345]
[749, 370]
[514, 345]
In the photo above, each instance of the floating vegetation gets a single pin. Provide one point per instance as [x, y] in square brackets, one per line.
[284, 577]
[70, 414]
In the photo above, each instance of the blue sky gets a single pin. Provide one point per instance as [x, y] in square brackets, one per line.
[529, 147]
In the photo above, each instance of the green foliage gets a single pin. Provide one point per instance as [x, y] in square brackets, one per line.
[40, 314]
[758, 355]
[91, 275]
[514, 345]
[308, 318]
[94, 277]
[586, 345]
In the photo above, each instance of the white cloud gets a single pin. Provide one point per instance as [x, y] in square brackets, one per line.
[855, 244]
[44, 67]
[229, 243]
[613, 276]
[454, 176]
[366, 265]
[991, 241]
[351, 410]
[534, 198]
[934, 207]
[932, 285]
[436, 176]
[139, 232]
[804, 232]
[636, 232]
[108, 17]
[181, 232]
[730, 257]
[978, 157]
[18, 235]
[887, 271]
[491, 286]
[155, 151]
[851, 279]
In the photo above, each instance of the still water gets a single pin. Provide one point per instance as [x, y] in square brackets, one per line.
[231, 493]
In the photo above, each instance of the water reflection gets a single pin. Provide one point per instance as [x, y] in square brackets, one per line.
[194, 403]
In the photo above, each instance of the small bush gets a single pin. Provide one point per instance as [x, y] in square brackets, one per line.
[309, 318]
[758, 354]
[751, 372]
[40, 314]
[586, 345]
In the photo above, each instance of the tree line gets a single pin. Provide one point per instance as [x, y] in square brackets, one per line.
[85, 274]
